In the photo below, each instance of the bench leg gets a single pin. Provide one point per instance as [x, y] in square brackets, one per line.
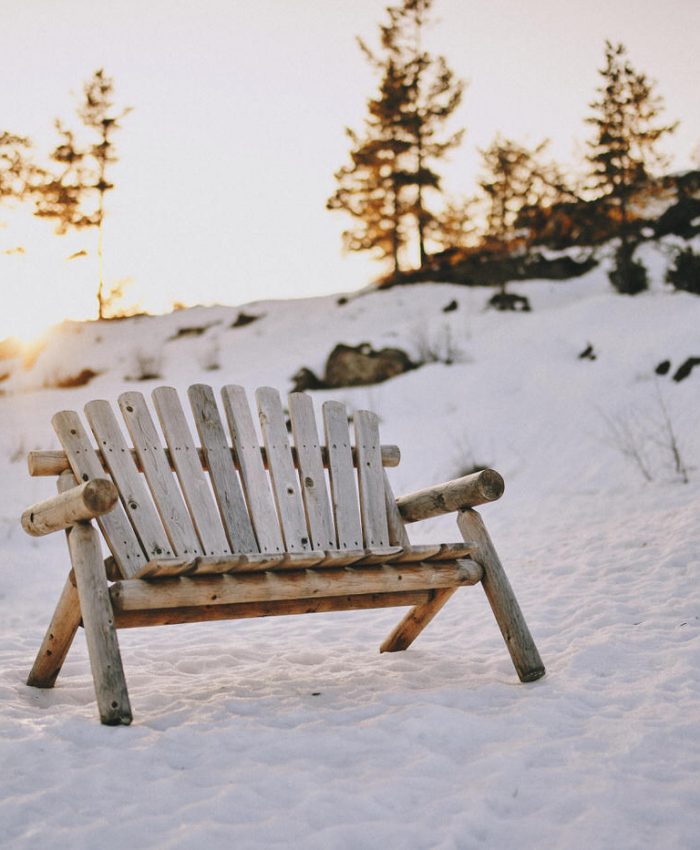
[415, 621]
[57, 640]
[504, 605]
[98, 621]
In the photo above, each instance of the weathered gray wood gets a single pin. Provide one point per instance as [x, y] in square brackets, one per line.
[499, 593]
[311, 474]
[257, 562]
[398, 536]
[224, 478]
[467, 492]
[371, 479]
[57, 640]
[156, 467]
[346, 508]
[115, 526]
[132, 486]
[48, 462]
[100, 634]
[64, 623]
[193, 481]
[245, 610]
[83, 502]
[285, 483]
[301, 584]
[415, 621]
[256, 484]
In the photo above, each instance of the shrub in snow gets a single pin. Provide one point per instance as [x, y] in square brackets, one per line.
[684, 273]
[210, 357]
[80, 379]
[436, 346]
[509, 301]
[628, 276]
[146, 366]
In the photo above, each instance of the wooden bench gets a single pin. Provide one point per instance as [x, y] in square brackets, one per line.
[228, 530]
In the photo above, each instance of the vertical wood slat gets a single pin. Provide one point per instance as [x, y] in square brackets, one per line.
[255, 481]
[311, 474]
[115, 526]
[130, 483]
[161, 482]
[398, 535]
[224, 478]
[193, 481]
[285, 483]
[371, 479]
[342, 475]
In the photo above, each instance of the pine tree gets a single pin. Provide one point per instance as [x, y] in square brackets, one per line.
[392, 162]
[516, 179]
[75, 195]
[624, 149]
[16, 166]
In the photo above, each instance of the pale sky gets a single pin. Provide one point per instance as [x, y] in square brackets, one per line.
[237, 127]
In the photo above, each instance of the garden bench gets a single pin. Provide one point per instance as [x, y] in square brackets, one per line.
[238, 529]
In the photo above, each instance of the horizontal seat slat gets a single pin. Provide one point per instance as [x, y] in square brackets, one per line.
[295, 584]
[256, 562]
[246, 610]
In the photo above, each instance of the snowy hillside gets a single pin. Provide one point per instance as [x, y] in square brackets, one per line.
[295, 732]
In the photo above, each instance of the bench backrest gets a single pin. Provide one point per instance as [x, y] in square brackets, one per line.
[221, 497]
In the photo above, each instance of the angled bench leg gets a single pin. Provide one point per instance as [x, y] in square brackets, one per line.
[57, 640]
[98, 621]
[415, 621]
[504, 605]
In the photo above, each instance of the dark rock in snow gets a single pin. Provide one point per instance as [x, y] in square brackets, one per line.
[509, 301]
[686, 368]
[244, 319]
[352, 366]
[663, 368]
[305, 380]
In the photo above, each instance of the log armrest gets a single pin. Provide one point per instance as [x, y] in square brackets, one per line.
[84, 502]
[459, 494]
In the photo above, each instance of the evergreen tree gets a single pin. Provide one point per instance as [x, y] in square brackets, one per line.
[75, 195]
[16, 166]
[516, 179]
[623, 152]
[392, 163]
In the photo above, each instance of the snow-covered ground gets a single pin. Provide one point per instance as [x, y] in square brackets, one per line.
[295, 732]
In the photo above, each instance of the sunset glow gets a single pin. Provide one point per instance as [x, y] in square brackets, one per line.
[237, 128]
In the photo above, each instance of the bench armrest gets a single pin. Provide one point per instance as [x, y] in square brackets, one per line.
[466, 492]
[78, 504]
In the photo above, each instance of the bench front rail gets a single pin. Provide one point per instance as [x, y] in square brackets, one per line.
[239, 526]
